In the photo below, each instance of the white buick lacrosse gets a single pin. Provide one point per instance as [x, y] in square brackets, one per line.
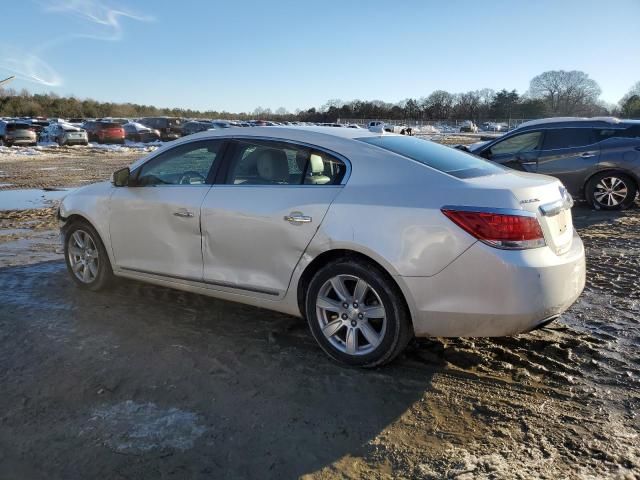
[373, 238]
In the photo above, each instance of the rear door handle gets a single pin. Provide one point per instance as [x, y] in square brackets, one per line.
[587, 154]
[297, 217]
[183, 214]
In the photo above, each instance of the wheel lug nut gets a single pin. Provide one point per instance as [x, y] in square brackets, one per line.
[345, 305]
[355, 304]
[353, 323]
[344, 316]
[360, 316]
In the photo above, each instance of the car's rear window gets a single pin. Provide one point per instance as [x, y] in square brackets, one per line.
[18, 126]
[109, 125]
[445, 159]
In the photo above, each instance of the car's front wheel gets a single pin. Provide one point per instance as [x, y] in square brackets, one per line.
[86, 258]
[611, 191]
[357, 314]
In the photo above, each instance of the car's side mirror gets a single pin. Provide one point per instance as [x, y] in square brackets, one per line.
[486, 154]
[120, 178]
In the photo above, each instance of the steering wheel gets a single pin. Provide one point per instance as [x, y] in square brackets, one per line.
[186, 177]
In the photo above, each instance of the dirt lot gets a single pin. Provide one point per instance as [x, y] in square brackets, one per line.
[145, 382]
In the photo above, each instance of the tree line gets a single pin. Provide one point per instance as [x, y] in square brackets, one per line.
[552, 93]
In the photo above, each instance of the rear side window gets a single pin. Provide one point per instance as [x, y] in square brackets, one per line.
[445, 159]
[567, 138]
[282, 163]
[18, 126]
[109, 125]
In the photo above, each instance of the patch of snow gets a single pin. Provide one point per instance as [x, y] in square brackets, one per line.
[131, 427]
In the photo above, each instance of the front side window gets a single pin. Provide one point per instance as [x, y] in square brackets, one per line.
[555, 139]
[526, 142]
[280, 163]
[187, 164]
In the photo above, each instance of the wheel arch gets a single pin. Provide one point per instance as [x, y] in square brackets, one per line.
[78, 217]
[328, 256]
[623, 171]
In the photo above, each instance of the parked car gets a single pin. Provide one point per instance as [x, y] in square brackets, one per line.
[170, 128]
[392, 236]
[104, 132]
[196, 126]
[596, 159]
[468, 127]
[66, 134]
[136, 132]
[17, 133]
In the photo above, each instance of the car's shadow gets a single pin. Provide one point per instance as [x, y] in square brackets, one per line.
[87, 376]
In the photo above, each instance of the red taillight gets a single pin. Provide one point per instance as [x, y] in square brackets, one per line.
[499, 229]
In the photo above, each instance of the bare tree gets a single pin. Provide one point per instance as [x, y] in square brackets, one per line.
[635, 90]
[565, 93]
[438, 105]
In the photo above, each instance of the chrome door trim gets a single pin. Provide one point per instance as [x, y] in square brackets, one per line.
[233, 286]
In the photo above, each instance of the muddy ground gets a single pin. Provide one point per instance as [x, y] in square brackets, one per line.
[146, 382]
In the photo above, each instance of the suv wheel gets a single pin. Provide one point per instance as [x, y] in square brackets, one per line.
[357, 314]
[86, 258]
[611, 191]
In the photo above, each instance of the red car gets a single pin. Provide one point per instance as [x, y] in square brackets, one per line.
[104, 132]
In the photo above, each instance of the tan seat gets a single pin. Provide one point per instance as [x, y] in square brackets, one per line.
[315, 175]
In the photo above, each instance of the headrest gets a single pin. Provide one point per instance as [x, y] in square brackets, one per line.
[273, 165]
[316, 164]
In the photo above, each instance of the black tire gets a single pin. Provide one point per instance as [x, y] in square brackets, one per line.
[104, 276]
[60, 142]
[398, 331]
[595, 187]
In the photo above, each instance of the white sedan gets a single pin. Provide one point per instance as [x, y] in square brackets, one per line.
[373, 238]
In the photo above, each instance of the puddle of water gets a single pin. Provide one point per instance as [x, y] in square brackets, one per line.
[29, 198]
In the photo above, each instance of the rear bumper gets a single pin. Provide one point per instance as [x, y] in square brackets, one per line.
[487, 292]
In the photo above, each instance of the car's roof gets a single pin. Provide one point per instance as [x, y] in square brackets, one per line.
[311, 134]
[566, 122]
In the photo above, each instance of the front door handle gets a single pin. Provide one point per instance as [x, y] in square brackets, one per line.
[183, 214]
[587, 154]
[297, 217]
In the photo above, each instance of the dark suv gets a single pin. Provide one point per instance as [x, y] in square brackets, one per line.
[597, 159]
[170, 128]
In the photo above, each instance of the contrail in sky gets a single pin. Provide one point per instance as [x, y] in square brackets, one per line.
[104, 22]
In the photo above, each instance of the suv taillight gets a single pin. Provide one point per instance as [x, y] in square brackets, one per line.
[497, 229]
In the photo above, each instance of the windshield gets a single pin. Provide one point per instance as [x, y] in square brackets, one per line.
[445, 159]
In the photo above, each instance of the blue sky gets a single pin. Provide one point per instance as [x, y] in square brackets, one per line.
[238, 55]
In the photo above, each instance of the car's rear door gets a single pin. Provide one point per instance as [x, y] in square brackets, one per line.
[155, 223]
[258, 220]
[570, 154]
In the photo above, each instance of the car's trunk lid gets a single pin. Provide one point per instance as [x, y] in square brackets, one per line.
[545, 196]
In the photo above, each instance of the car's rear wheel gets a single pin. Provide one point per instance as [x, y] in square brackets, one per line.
[611, 191]
[357, 314]
[60, 142]
[86, 258]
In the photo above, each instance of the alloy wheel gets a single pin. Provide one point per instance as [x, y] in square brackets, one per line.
[351, 315]
[83, 256]
[610, 191]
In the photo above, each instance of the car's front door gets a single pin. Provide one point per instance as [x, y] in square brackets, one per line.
[258, 222]
[517, 151]
[569, 154]
[155, 222]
